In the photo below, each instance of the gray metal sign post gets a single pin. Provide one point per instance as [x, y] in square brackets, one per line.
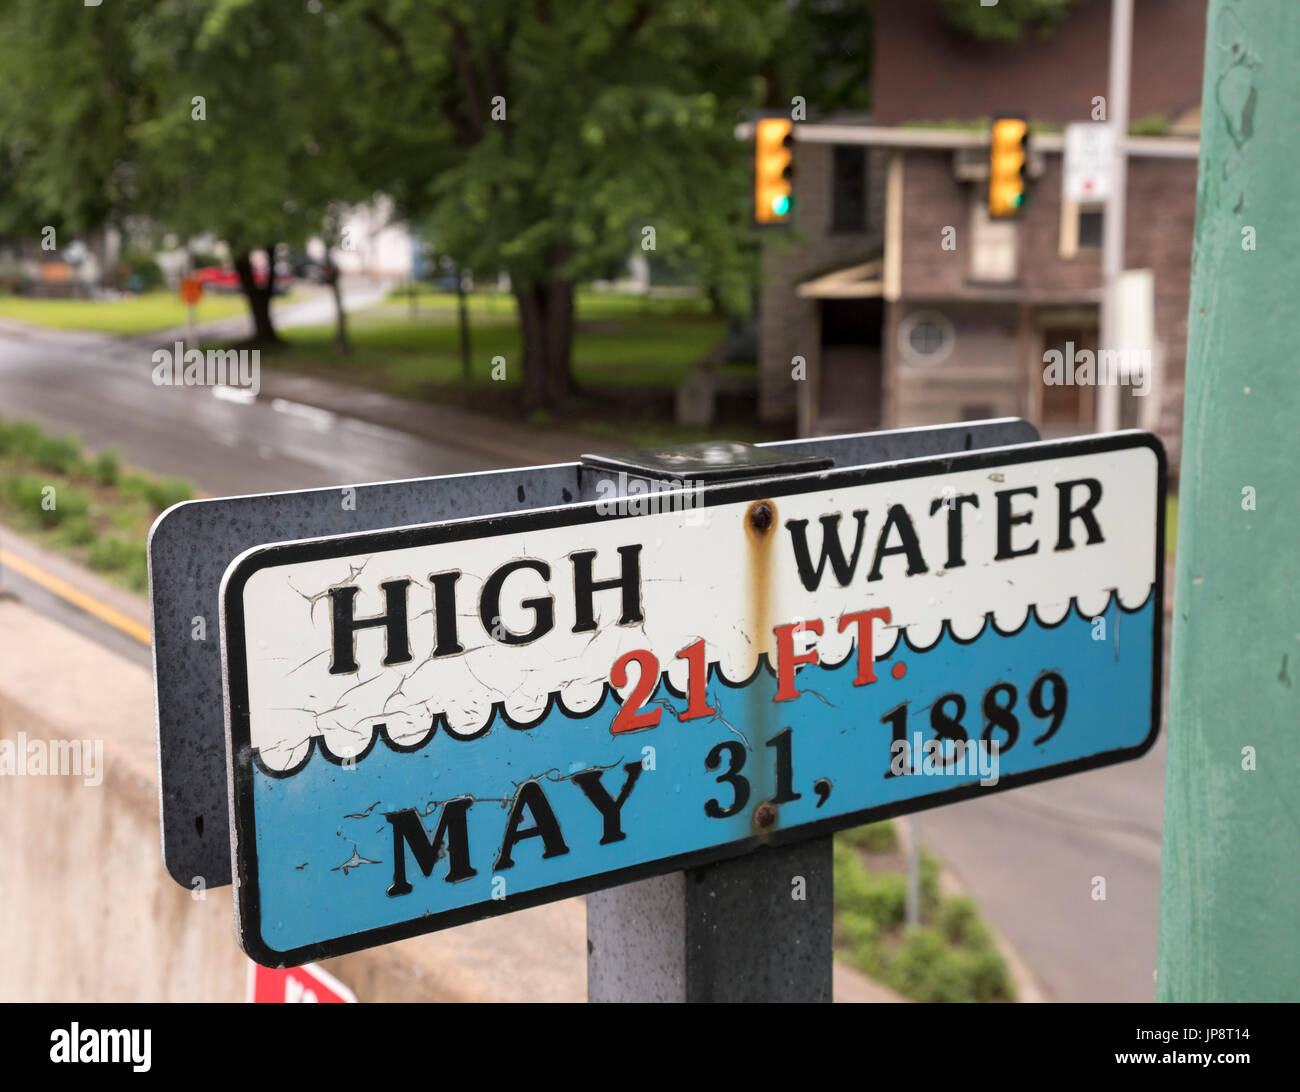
[755, 928]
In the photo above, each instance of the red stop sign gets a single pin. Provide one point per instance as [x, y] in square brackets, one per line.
[308, 983]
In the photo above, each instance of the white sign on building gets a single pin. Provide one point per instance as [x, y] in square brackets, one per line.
[1089, 156]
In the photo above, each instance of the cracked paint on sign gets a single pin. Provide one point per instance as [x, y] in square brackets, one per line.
[718, 689]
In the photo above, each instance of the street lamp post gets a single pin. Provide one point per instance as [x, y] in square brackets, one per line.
[1112, 256]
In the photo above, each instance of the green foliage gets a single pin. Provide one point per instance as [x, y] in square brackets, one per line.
[76, 531]
[619, 341]
[826, 52]
[537, 139]
[244, 139]
[926, 969]
[159, 493]
[25, 492]
[117, 553]
[1007, 20]
[958, 920]
[874, 837]
[72, 503]
[29, 492]
[929, 883]
[880, 896]
[69, 97]
[950, 957]
[59, 453]
[106, 467]
[617, 115]
[20, 437]
[141, 272]
[980, 124]
[28, 441]
[99, 513]
[218, 117]
[164, 492]
[1150, 125]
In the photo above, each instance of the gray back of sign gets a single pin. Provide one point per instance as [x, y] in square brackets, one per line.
[192, 544]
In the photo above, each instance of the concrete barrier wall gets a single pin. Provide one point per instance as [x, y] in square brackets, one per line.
[87, 912]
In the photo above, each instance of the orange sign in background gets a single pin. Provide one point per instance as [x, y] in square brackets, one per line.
[191, 290]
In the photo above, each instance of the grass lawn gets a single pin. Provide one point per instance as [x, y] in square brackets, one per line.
[629, 355]
[621, 341]
[590, 303]
[142, 314]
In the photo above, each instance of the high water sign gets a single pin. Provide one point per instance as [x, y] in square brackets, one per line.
[433, 724]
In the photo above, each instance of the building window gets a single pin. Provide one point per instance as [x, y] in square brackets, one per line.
[1091, 225]
[849, 188]
[926, 337]
[993, 257]
[1082, 228]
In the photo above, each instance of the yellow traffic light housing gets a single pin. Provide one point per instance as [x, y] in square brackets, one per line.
[773, 170]
[1008, 158]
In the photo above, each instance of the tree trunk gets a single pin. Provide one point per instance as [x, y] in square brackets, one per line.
[534, 345]
[466, 363]
[341, 342]
[259, 300]
[558, 310]
[546, 329]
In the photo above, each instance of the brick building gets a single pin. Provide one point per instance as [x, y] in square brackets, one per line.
[906, 303]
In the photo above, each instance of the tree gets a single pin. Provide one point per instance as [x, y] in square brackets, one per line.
[823, 57]
[560, 132]
[244, 141]
[1006, 21]
[541, 139]
[67, 105]
[176, 117]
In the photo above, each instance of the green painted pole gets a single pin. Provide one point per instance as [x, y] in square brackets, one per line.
[1230, 879]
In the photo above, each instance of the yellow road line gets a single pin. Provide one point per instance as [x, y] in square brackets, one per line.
[75, 596]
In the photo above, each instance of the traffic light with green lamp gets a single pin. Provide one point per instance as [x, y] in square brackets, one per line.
[773, 170]
[1008, 160]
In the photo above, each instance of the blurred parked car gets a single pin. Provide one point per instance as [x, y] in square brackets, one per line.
[219, 279]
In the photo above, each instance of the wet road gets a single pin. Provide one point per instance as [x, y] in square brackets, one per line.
[1032, 858]
[100, 388]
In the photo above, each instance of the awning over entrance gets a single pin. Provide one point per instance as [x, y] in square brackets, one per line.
[853, 282]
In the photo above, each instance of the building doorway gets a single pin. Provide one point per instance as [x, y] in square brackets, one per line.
[851, 387]
[1067, 410]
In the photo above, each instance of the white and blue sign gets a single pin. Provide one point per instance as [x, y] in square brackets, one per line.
[433, 724]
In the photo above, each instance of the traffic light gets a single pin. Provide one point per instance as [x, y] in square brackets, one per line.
[773, 169]
[1008, 158]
